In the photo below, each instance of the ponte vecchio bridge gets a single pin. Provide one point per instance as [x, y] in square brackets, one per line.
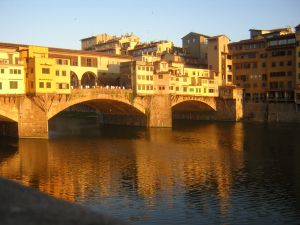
[27, 116]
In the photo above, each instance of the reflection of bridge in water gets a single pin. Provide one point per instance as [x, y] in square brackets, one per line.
[29, 115]
[159, 161]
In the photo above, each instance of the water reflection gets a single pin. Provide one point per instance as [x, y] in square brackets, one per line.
[208, 172]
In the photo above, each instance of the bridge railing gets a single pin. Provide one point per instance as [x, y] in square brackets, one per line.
[102, 90]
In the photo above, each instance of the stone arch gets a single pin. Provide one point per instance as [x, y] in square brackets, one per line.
[89, 79]
[209, 101]
[8, 116]
[91, 102]
[74, 81]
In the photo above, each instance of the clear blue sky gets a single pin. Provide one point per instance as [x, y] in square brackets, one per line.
[62, 23]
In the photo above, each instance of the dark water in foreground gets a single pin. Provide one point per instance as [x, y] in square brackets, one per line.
[194, 173]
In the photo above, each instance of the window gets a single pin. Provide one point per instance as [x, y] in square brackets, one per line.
[289, 63]
[19, 71]
[177, 88]
[211, 90]
[57, 72]
[89, 62]
[281, 63]
[277, 74]
[11, 71]
[45, 71]
[263, 64]
[0, 85]
[290, 73]
[290, 84]
[289, 52]
[41, 85]
[184, 89]
[160, 76]
[64, 73]
[13, 84]
[48, 85]
[273, 64]
[264, 76]
[229, 78]
[2, 71]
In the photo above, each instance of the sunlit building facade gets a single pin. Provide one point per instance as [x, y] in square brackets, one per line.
[264, 65]
[12, 79]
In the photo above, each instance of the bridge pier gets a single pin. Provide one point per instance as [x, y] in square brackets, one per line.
[160, 111]
[33, 122]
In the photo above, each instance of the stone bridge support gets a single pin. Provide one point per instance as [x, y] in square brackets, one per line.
[159, 111]
[33, 121]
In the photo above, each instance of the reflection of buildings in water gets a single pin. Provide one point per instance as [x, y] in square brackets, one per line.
[191, 159]
[204, 156]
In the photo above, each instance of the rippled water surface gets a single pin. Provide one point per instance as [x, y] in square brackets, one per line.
[194, 173]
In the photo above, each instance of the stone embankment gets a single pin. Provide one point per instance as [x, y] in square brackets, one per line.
[271, 112]
[25, 206]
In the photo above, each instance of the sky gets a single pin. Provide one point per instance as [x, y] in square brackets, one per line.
[62, 23]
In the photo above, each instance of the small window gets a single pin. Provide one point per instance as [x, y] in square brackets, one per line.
[48, 85]
[19, 71]
[11, 71]
[64, 73]
[41, 85]
[13, 84]
[57, 72]
[0, 85]
[45, 71]
[2, 70]
[160, 76]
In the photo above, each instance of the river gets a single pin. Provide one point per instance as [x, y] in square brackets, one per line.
[193, 173]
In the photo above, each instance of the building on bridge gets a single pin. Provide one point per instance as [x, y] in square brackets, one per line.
[12, 78]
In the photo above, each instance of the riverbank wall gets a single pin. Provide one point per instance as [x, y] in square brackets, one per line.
[24, 205]
[271, 112]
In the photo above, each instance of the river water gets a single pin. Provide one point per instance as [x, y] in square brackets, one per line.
[193, 173]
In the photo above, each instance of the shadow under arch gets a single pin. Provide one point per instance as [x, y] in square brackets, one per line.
[193, 110]
[7, 115]
[89, 79]
[110, 111]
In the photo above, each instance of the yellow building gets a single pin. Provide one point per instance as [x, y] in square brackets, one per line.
[12, 77]
[162, 77]
[45, 75]
[297, 65]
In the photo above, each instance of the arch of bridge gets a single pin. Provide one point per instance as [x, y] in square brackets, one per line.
[90, 95]
[210, 101]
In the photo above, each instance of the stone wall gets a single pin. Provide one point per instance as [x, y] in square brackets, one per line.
[159, 111]
[271, 112]
[33, 121]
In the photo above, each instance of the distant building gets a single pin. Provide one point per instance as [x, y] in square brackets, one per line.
[110, 44]
[153, 48]
[195, 48]
[90, 42]
[264, 65]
